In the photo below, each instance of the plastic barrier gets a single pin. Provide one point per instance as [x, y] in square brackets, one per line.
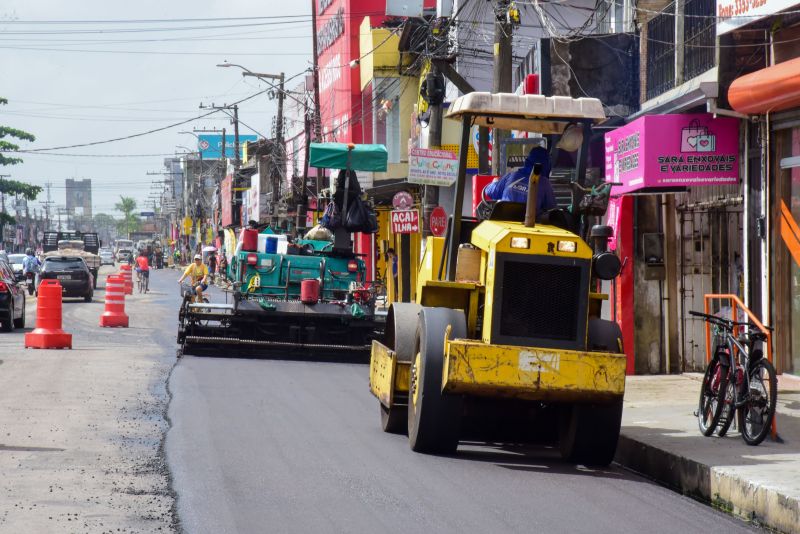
[48, 333]
[114, 314]
[127, 274]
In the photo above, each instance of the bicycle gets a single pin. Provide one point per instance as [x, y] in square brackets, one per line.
[739, 381]
[142, 281]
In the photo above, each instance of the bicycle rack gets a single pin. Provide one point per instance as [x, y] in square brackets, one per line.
[736, 303]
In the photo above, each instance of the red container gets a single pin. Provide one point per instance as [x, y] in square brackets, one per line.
[249, 239]
[309, 291]
[479, 181]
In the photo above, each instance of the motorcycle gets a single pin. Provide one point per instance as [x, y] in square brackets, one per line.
[30, 279]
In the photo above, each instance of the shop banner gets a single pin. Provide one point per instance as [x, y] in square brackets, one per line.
[732, 14]
[404, 221]
[432, 167]
[660, 153]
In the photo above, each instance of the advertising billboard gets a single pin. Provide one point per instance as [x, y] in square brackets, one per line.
[660, 153]
[210, 145]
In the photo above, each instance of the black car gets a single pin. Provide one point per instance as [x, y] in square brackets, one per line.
[71, 271]
[12, 300]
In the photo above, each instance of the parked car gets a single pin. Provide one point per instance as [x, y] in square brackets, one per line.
[12, 300]
[106, 257]
[15, 260]
[72, 272]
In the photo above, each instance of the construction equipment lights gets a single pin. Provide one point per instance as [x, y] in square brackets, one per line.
[520, 242]
[567, 246]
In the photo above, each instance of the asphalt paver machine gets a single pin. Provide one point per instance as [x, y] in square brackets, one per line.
[293, 298]
[505, 339]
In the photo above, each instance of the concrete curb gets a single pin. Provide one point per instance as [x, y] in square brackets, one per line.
[754, 502]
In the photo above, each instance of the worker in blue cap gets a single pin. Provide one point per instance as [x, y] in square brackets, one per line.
[513, 187]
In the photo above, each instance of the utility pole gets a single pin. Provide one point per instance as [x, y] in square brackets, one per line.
[434, 89]
[47, 204]
[315, 78]
[503, 30]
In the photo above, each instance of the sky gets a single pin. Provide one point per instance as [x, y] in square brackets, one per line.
[75, 73]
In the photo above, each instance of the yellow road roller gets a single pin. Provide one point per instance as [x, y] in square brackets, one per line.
[505, 340]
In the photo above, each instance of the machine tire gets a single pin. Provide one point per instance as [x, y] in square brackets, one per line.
[434, 419]
[401, 329]
[8, 324]
[95, 274]
[588, 433]
[20, 323]
[394, 420]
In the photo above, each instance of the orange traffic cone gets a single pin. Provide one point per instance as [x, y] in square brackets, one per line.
[114, 314]
[127, 273]
[48, 333]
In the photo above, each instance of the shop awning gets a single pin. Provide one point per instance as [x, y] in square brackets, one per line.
[774, 88]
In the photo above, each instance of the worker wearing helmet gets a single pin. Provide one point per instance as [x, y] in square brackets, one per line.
[198, 272]
[513, 187]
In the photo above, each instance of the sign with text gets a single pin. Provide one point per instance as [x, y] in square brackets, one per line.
[210, 145]
[432, 167]
[733, 14]
[659, 153]
[404, 221]
[438, 221]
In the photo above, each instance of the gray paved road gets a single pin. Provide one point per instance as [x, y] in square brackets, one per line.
[286, 446]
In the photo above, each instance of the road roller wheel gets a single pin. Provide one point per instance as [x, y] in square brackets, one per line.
[434, 418]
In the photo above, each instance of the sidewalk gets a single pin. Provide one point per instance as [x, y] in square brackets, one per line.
[660, 439]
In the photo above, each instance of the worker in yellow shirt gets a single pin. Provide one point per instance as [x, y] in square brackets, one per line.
[198, 272]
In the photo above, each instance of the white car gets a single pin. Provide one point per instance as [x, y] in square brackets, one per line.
[106, 257]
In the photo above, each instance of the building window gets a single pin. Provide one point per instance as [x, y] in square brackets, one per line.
[699, 36]
[385, 106]
[661, 53]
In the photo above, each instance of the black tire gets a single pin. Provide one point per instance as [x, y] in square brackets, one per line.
[31, 289]
[755, 417]
[20, 323]
[394, 420]
[588, 433]
[88, 298]
[434, 419]
[95, 275]
[401, 329]
[712, 396]
[8, 323]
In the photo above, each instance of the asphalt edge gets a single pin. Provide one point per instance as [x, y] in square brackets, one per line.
[758, 504]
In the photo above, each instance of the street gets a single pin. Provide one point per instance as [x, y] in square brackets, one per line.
[109, 437]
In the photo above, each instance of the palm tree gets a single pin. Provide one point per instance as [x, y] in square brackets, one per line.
[129, 222]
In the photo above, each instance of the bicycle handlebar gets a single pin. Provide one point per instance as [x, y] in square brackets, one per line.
[725, 323]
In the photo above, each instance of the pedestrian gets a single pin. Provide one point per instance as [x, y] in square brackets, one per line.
[223, 267]
[212, 265]
[391, 260]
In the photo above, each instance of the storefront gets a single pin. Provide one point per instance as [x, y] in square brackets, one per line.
[773, 95]
[676, 244]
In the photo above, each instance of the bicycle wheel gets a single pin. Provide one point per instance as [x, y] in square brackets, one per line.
[712, 396]
[755, 416]
[146, 283]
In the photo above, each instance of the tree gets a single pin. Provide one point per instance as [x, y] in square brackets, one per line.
[7, 146]
[130, 222]
[106, 226]
[12, 187]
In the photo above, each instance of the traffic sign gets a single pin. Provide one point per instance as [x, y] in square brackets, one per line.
[404, 221]
[402, 200]
[438, 221]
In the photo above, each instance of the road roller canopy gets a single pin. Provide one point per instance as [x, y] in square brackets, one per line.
[529, 113]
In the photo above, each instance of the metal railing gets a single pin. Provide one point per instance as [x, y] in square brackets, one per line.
[699, 36]
[661, 53]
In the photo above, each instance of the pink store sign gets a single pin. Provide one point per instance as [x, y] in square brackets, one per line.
[660, 153]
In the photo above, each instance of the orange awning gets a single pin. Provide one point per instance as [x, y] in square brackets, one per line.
[771, 89]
